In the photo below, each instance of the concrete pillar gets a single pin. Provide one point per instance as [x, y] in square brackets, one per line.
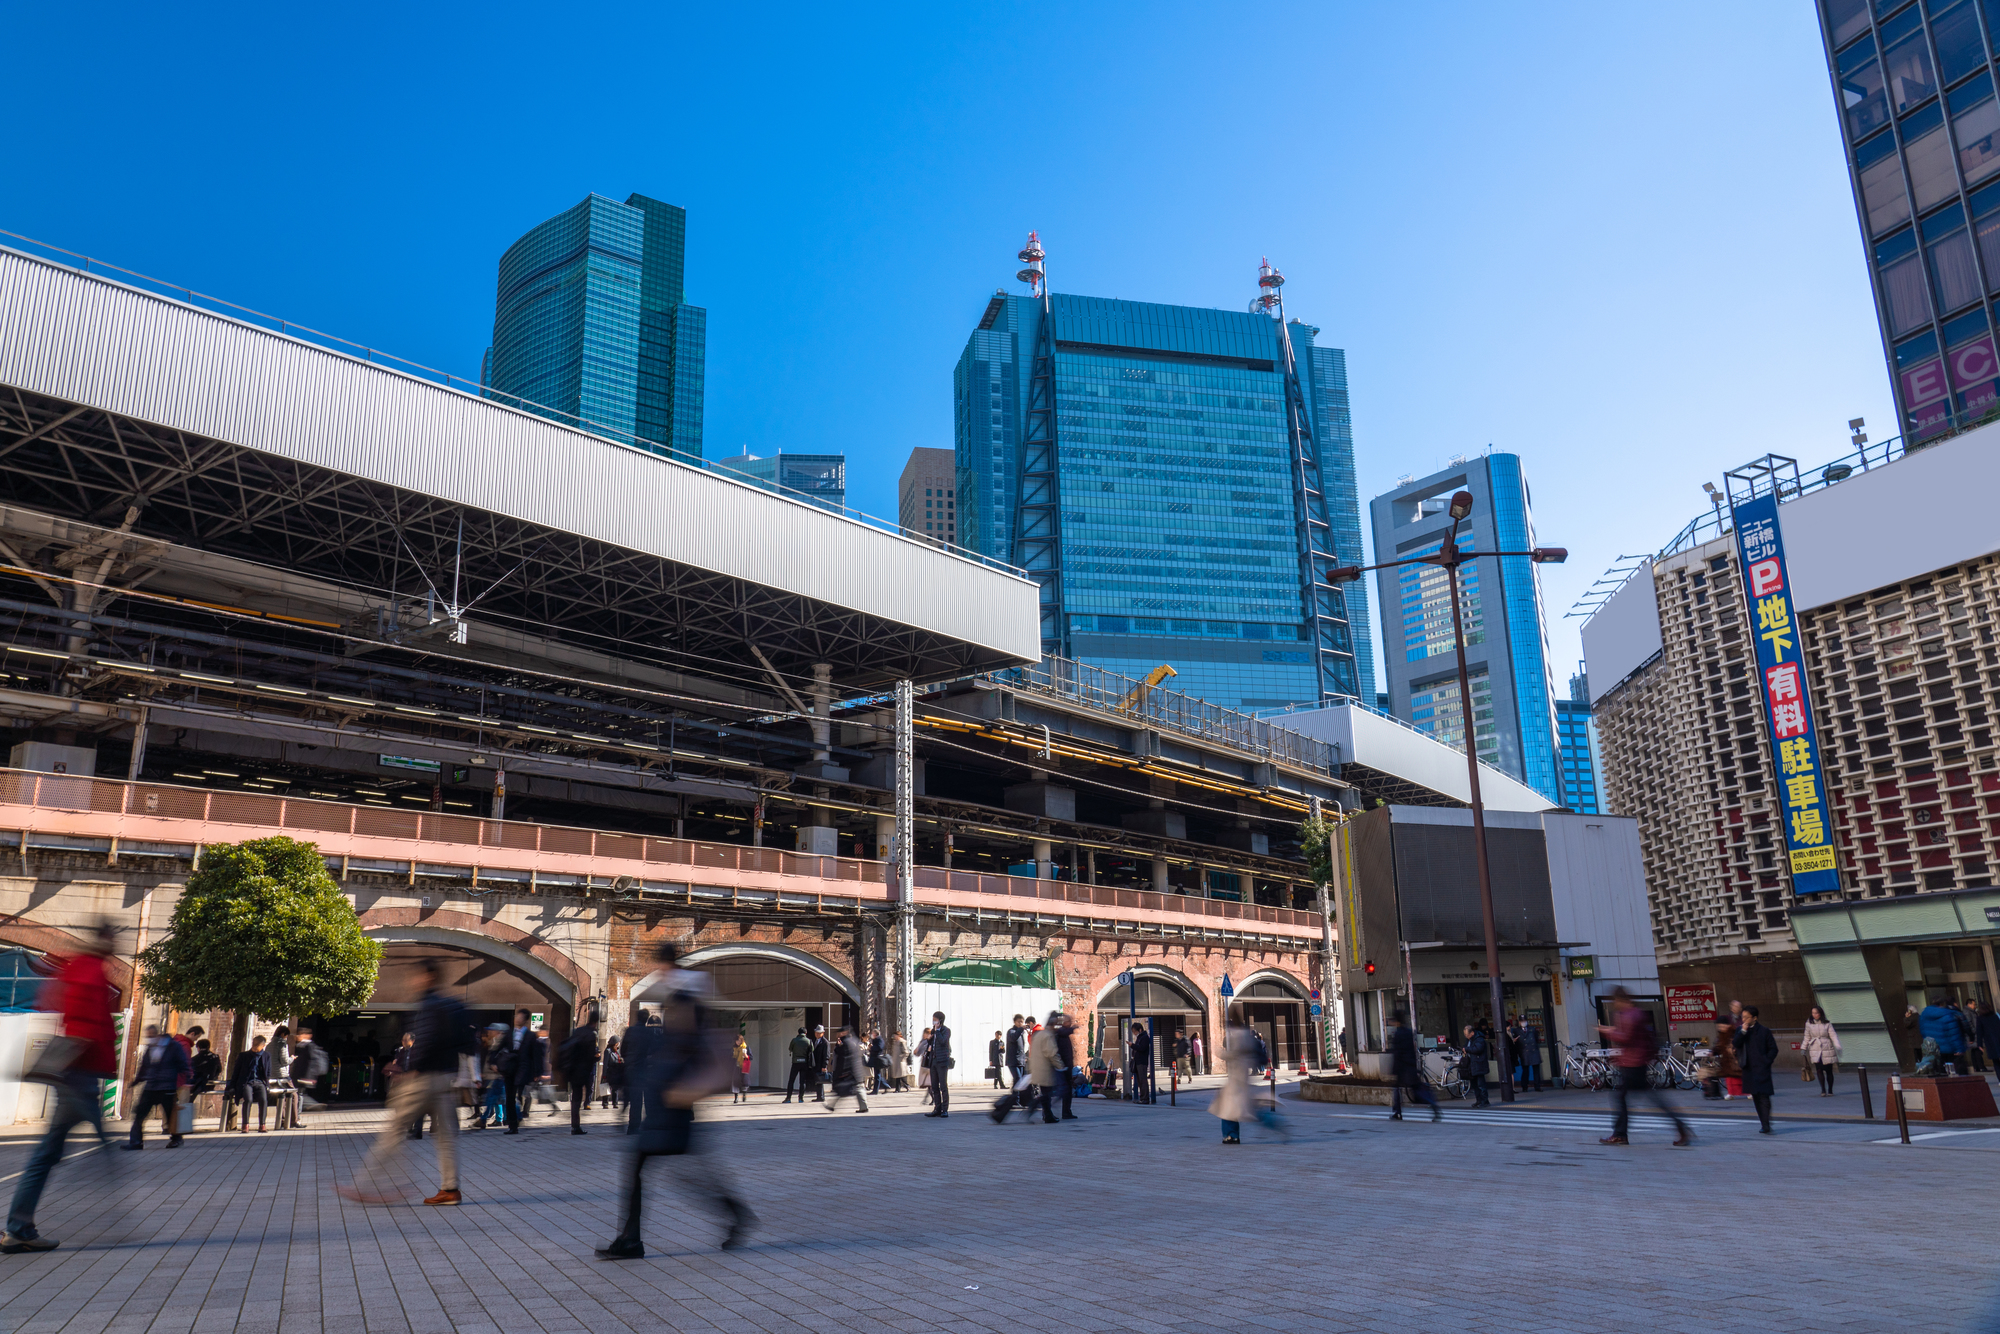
[822, 704]
[1090, 872]
[885, 834]
[1160, 875]
[1044, 867]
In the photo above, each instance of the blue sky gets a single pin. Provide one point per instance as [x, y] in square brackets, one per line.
[1617, 240]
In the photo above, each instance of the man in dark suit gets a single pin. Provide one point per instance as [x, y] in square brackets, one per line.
[579, 1068]
[1141, 1082]
[634, 1046]
[939, 1057]
[1757, 1052]
[821, 1062]
[523, 1060]
[1017, 1056]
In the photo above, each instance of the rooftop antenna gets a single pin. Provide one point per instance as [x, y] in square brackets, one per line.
[1032, 255]
[1270, 298]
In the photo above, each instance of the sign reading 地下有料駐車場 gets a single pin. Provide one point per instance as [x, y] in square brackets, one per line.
[1781, 676]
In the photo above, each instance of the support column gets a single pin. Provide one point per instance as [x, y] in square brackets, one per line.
[138, 746]
[1090, 869]
[1160, 876]
[1044, 867]
[905, 833]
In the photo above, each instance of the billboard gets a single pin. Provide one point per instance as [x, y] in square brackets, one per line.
[1693, 1004]
[1781, 676]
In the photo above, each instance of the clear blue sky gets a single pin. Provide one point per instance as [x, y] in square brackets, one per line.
[1615, 239]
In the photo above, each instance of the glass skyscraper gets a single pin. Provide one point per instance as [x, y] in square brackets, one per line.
[1179, 534]
[1578, 734]
[818, 479]
[1500, 604]
[1915, 96]
[591, 325]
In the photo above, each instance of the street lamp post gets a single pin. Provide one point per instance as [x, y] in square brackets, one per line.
[1448, 558]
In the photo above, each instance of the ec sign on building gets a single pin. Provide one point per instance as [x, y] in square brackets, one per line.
[1781, 671]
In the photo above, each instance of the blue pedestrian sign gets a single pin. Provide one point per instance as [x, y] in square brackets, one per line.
[1228, 987]
[1315, 1010]
[1125, 979]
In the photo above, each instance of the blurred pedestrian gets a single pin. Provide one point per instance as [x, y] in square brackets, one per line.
[1968, 1019]
[996, 1057]
[1063, 1029]
[630, 1045]
[613, 1077]
[1042, 1071]
[441, 1035]
[1987, 1030]
[82, 994]
[492, 1084]
[1757, 1050]
[1233, 1102]
[1016, 1054]
[923, 1060]
[1822, 1049]
[938, 1057]
[739, 1056]
[1726, 1081]
[1182, 1055]
[898, 1053]
[1406, 1069]
[822, 1061]
[163, 1072]
[878, 1063]
[674, 1071]
[578, 1058]
[1631, 1032]
[309, 1066]
[1531, 1054]
[1475, 1064]
[847, 1070]
[1940, 1023]
[247, 1085]
[1194, 1054]
[523, 1059]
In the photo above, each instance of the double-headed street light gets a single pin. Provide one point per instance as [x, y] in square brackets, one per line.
[1448, 558]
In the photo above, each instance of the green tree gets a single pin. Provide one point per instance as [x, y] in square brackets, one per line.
[262, 928]
[1316, 842]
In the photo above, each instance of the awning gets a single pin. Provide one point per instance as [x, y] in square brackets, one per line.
[991, 973]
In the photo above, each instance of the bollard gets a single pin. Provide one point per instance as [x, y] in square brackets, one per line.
[1902, 1112]
[1174, 1087]
[1867, 1106]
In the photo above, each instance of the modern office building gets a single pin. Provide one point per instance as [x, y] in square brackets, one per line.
[1148, 480]
[927, 496]
[1894, 571]
[818, 478]
[591, 325]
[1577, 734]
[1507, 655]
[1914, 98]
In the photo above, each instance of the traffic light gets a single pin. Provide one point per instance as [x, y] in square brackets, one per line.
[1369, 968]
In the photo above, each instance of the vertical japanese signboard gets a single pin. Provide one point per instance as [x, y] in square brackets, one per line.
[1781, 674]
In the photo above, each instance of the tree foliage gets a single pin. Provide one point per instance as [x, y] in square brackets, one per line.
[263, 927]
[1316, 842]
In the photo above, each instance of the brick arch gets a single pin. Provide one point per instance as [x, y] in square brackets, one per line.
[445, 919]
[55, 940]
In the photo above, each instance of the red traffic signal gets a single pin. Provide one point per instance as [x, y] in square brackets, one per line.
[1369, 968]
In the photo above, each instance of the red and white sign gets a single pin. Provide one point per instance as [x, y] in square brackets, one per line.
[1691, 1004]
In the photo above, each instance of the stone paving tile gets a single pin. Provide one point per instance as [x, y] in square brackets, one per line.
[1134, 1219]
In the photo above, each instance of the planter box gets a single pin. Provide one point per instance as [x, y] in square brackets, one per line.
[1947, 1097]
[1319, 1090]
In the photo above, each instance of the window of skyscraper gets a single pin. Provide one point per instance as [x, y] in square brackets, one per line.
[1861, 89]
[1882, 191]
[1907, 60]
[1846, 19]
[1905, 294]
[1928, 151]
[1975, 122]
[1956, 32]
[1952, 266]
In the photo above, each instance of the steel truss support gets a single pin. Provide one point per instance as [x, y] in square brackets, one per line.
[1038, 492]
[906, 829]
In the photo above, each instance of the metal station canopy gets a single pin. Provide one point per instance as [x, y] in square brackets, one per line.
[188, 432]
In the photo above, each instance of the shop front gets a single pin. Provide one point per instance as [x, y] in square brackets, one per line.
[1168, 1007]
[767, 998]
[1449, 989]
[1277, 1010]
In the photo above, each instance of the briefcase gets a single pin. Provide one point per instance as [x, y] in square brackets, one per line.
[992, 1072]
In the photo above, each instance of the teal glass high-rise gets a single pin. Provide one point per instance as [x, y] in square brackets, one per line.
[591, 325]
[1178, 518]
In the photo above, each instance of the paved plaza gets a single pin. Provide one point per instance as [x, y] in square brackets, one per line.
[1133, 1218]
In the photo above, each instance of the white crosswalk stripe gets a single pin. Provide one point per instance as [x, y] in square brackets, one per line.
[1578, 1121]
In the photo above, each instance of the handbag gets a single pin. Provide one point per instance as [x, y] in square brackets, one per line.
[1806, 1073]
[52, 1062]
[992, 1072]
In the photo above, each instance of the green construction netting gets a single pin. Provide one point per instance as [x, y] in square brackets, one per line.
[992, 973]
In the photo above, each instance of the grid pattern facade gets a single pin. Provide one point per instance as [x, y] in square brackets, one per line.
[1914, 92]
[1324, 371]
[1899, 681]
[1500, 604]
[927, 497]
[1178, 519]
[1579, 755]
[1435, 711]
[589, 323]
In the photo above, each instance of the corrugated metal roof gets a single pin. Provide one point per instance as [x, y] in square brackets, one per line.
[90, 341]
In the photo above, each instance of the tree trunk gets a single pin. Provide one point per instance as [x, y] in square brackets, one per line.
[239, 1040]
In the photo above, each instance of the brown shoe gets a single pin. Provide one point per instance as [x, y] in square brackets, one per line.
[1614, 1139]
[445, 1197]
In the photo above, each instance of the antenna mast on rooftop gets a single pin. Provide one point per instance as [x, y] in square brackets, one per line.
[1037, 495]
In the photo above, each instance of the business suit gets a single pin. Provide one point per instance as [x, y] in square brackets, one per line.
[820, 1061]
[523, 1061]
[1757, 1051]
[939, 1057]
[1016, 1055]
[636, 1046]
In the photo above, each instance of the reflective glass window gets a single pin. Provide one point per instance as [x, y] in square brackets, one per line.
[1917, 350]
[1987, 230]
[1882, 193]
[1959, 49]
[1846, 19]
[1927, 150]
[1908, 63]
[1952, 267]
[1861, 93]
[1965, 328]
[1977, 129]
[1905, 293]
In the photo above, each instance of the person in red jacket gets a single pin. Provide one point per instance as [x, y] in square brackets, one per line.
[83, 995]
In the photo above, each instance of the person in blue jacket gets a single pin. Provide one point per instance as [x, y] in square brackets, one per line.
[1939, 1022]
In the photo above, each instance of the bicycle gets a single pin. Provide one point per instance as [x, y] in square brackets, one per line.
[1671, 1067]
[1588, 1067]
[1450, 1080]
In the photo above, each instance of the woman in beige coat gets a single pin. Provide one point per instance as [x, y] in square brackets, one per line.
[1822, 1049]
[1233, 1101]
[1043, 1068]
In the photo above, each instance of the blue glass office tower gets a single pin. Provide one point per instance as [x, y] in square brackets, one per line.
[1179, 535]
[1500, 603]
[1914, 94]
[591, 324]
[1578, 735]
[817, 479]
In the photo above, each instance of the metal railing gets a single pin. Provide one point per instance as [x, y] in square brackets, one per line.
[42, 251]
[1134, 701]
[679, 859]
[1707, 527]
